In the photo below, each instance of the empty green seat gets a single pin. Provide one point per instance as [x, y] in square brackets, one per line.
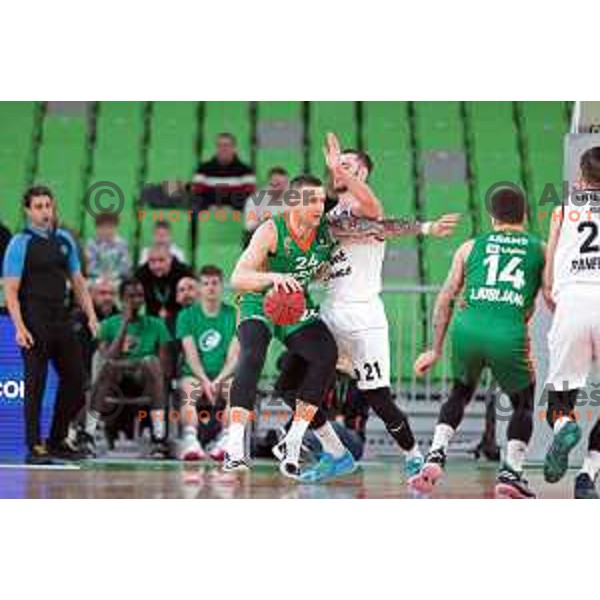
[17, 121]
[62, 160]
[117, 157]
[334, 117]
[439, 126]
[387, 140]
[173, 141]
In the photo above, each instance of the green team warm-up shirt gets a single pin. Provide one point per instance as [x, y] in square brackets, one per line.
[144, 336]
[212, 335]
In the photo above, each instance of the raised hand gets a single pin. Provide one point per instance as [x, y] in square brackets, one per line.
[445, 225]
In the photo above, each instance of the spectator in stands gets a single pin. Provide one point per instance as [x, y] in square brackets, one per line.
[187, 292]
[103, 293]
[224, 179]
[266, 202]
[160, 276]
[207, 333]
[161, 236]
[134, 360]
[107, 254]
[104, 296]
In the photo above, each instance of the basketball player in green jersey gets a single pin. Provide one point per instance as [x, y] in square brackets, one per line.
[499, 275]
[286, 252]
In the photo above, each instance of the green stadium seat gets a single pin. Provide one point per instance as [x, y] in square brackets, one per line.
[17, 121]
[117, 157]
[173, 140]
[279, 115]
[387, 139]
[325, 117]
[224, 256]
[62, 160]
[439, 126]
[230, 117]
[405, 318]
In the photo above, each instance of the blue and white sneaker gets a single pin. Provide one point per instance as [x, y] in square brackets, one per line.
[328, 468]
[413, 466]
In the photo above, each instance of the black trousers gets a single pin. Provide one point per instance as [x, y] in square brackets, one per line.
[57, 343]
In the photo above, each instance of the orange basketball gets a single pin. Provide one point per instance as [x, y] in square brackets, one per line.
[284, 308]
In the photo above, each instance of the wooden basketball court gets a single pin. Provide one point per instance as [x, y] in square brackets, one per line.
[150, 479]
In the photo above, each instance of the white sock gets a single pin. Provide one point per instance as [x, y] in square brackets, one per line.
[591, 464]
[560, 423]
[72, 435]
[234, 446]
[159, 427]
[300, 422]
[92, 418]
[414, 452]
[441, 437]
[515, 454]
[330, 440]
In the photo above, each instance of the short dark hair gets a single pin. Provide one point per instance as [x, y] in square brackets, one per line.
[228, 136]
[128, 282]
[36, 190]
[305, 179]
[277, 171]
[107, 218]
[508, 206]
[364, 158]
[162, 225]
[211, 271]
[590, 165]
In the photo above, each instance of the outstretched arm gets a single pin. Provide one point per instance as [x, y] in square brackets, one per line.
[249, 274]
[442, 312]
[348, 226]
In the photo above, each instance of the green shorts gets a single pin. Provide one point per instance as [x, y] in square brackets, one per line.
[251, 307]
[481, 341]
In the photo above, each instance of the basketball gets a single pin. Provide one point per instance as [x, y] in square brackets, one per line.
[284, 308]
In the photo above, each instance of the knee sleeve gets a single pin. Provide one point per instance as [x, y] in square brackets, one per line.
[594, 440]
[453, 409]
[254, 342]
[520, 426]
[315, 344]
[395, 420]
[560, 404]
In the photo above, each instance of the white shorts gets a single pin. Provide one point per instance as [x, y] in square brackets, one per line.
[360, 330]
[574, 338]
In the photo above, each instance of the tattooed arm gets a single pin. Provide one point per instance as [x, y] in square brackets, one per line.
[348, 226]
[442, 312]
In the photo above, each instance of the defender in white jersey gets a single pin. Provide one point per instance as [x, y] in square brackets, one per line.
[573, 265]
[352, 309]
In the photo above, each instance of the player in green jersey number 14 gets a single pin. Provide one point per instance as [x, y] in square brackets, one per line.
[498, 276]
